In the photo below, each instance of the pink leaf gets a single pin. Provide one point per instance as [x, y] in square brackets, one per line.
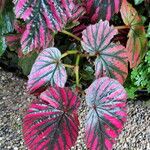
[111, 58]
[52, 123]
[102, 9]
[42, 16]
[77, 30]
[19, 27]
[52, 13]
[13, 41]
[107, 101]
[47, 70]
[96, 37]
[36, 38]
[136, 44]
[77, 12]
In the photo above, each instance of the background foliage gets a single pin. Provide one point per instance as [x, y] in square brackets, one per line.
[139, 77]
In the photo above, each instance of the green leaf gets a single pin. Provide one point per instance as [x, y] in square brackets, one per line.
[27, 62]
[148, 31]
[147, 58]
[87, 73]
[144, 19]
[7, 18]
[131, 92]
[140, 76]
[70, 25]
[137, 2]
[2, 45]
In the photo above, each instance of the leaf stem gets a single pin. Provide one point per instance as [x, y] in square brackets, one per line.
[72, 52]
[70, 34]
[69, 52]
[88, 55]
[77, 70]
[69, 66]
[122, 27]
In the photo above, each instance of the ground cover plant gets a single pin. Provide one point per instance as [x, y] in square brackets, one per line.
[74, 48]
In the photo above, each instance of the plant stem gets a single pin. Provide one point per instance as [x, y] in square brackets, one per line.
[122, 27]
[69, 66]
[70, 34]
[87, 55]
[78, 39]
[77, 70]
[70, 52]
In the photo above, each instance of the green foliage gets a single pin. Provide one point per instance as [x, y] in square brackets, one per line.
[137, 2]
[7, 18]
[6, 23]
[26, 63]
[140, 76]
[87, 72]
[130, 87]
[131, 91]
[2, 45]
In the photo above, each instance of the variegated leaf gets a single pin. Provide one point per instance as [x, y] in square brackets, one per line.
[106, 99]
[52, 13]
[36, 37]
[13, 40]
[102, 9]
[112, 62]
[47, 70]
[111, 58]
[77, 12]
[52, 123]
[136, 44]
[41, 16]
[130, 15]
[97, 37]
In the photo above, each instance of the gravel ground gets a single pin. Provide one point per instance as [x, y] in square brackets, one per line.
[14, 101]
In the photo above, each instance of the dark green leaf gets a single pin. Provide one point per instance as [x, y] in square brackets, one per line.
[7, 18]
[137, 2]
[26, 63]
[2, 45]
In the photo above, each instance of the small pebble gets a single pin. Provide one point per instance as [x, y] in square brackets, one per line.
[15, 148]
